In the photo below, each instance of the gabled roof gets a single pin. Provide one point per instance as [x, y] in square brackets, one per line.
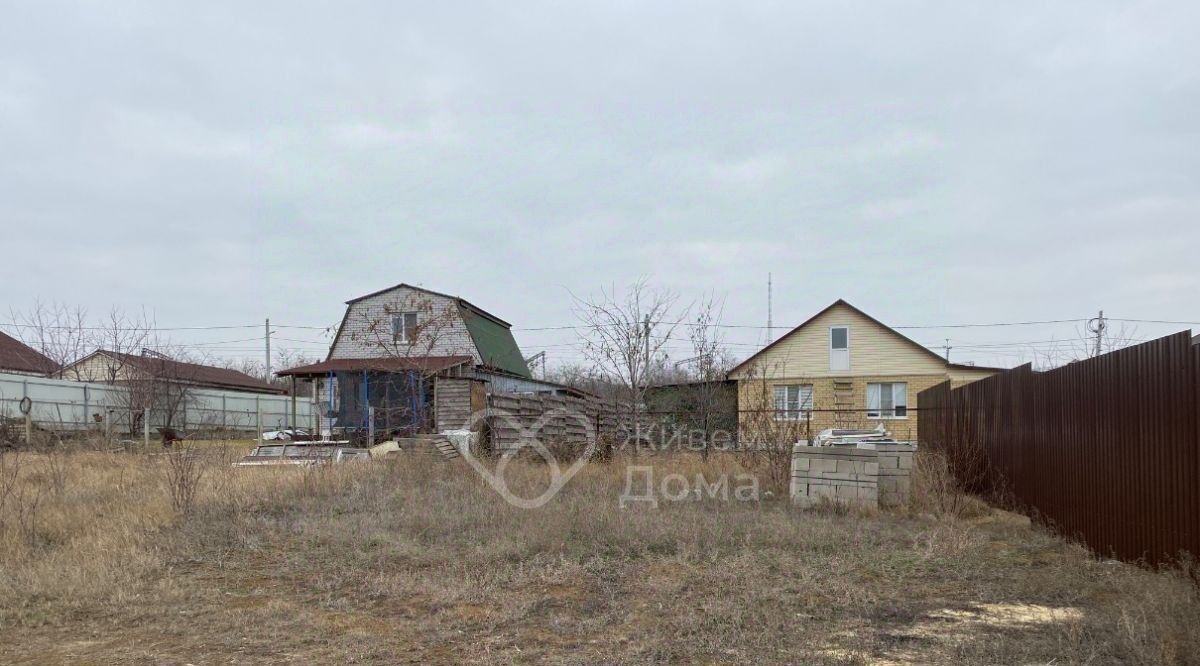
[189, 373]
[18, 356]
[497, 348]
[882, 325]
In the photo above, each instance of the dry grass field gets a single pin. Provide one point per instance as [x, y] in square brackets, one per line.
[416, 560]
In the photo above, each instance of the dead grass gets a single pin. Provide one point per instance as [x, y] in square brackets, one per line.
[418, 561]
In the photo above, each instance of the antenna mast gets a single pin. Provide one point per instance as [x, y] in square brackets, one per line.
[770, 335]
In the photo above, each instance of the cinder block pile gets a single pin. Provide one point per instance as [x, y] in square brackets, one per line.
[868, 474]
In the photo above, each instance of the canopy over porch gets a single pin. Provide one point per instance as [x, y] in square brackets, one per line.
[390, 396]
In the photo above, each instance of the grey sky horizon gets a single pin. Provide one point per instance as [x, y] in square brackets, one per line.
[932, 163]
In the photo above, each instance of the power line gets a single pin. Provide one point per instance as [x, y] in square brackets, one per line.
[574, 327]
[1154, 321]
[759, 327]
[59, 327]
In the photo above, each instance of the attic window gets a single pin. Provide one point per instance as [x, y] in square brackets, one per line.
[404, 327]
[839, 348]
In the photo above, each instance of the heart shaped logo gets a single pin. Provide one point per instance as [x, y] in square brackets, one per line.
[530, 437]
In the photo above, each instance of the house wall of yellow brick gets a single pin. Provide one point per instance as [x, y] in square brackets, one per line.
[757, 395]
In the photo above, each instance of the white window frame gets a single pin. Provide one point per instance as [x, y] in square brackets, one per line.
[400, 333]
[898, 394]
[795, 408]
[833, 367]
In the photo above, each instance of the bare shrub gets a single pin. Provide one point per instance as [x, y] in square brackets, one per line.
[184, 470]
[56, 460]
[10, 470]
[769, 432]
[21, 501]
[934, 488]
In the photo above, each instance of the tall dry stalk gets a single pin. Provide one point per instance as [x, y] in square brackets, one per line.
[184, 471]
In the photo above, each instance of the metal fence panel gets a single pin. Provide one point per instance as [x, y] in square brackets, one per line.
[1106, 450]
[64, 405]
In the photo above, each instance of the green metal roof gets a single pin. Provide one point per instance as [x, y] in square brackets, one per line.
[497, 347]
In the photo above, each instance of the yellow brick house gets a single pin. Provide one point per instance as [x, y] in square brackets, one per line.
[844, 369]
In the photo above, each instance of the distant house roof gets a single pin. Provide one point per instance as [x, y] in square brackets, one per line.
[20, 357]
[190, 373]
[898, 334]
[385, 364]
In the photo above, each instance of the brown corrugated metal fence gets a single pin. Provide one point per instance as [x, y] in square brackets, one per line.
[1106, 450]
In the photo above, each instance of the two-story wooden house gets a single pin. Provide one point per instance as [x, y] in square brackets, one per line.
[419, 360]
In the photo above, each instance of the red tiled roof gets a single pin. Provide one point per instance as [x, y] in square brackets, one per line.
[16, 355]
[386, 364]
[193, 373]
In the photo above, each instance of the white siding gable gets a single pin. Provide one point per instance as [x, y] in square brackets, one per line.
[873, 350]
[366, 331]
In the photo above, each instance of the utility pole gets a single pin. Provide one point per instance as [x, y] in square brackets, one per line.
[1098, 326]
[947, 348]
[267, 338]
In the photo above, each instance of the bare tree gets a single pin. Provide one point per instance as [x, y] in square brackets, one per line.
[57, 330]
[124, 335]
[708, 394]
[1083, 346]
[691, 397]
[161, 380]
[253, 367]
[583, 377]
[625, 337]
[769, 430]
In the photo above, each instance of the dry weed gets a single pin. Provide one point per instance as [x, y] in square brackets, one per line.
[417, 559]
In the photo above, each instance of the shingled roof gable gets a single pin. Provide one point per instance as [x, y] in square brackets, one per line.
[20, 357]
[190, 373]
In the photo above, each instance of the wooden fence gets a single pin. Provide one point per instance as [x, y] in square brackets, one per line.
[553, 418]
[1106, 450]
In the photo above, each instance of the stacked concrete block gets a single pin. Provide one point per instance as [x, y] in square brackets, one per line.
[895, 470]
[874, 475]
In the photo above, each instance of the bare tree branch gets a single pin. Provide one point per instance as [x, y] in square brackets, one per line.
[625, 337]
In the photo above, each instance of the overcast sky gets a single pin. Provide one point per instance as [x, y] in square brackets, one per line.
[932, 163]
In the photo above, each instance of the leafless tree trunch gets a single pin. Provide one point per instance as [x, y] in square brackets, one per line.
[625, 337]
